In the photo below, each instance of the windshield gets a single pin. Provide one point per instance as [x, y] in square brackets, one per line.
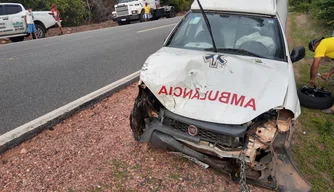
[124, 1]
[257, 35]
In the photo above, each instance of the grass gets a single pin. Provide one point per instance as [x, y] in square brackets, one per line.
[314, 150]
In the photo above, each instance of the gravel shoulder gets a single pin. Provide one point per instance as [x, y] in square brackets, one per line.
[94, 151]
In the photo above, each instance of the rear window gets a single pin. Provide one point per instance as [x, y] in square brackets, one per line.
[2, 12]
[12, 9]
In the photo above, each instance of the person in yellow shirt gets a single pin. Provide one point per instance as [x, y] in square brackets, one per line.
[323, 47]
[147, 10]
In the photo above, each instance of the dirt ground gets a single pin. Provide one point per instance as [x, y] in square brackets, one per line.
[94, 151]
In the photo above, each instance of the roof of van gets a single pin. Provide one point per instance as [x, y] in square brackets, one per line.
[267, 7]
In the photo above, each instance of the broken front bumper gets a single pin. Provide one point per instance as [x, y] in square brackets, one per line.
[283, 175]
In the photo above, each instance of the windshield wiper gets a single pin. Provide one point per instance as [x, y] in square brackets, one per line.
[237, 51]
[209, 26]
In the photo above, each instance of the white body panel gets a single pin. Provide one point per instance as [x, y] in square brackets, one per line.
[267, 7]
[45, 18]
[265, 85]
[249, 88]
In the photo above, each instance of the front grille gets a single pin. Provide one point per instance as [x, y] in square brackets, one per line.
[122, 10]
[204, 134]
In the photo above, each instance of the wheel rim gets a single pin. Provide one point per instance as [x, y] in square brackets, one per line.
[39, 33]
[315, 92]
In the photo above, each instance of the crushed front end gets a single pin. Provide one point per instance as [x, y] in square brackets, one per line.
[258, 150]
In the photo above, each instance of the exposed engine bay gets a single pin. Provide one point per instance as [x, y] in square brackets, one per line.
[261, 145]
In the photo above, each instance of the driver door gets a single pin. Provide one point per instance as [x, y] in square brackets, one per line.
[5, 25]
[16, 18]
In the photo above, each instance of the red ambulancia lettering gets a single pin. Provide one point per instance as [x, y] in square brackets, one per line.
[163, 90]
[213, 98]
[251, 103]
[179, 89]
[196, 96]
[187, 94]
[236, 101]
[223, 97]
[204, 98]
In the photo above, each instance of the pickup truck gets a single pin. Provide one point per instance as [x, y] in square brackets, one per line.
[12, 24]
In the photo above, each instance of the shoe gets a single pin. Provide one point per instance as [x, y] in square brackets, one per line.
[328, 111]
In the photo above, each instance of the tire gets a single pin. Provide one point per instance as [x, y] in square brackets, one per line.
[40, 31]
[141, 16]
[17, 39]
[137, 117]
[171, 14]
[319, 101]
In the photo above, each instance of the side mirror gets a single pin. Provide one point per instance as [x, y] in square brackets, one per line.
[297, 54]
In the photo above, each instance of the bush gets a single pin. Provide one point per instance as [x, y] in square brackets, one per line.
[180, 5]
[326, 11]
[322, 10]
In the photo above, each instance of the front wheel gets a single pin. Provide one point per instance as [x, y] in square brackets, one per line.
[171, 14]
[141, 16]
[40, 31]
[138, 115]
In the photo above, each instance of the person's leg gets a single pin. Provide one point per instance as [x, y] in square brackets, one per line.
[34, 30]
[29, 31]
[60, 28]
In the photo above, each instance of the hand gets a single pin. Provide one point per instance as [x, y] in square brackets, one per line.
[310, 83]
[325, 76]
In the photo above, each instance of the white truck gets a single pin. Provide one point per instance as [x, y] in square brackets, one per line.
[12, 23]
[133, 10]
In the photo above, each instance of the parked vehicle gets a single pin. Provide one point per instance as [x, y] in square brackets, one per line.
[133, 10]
[12, 24]
[222, 92]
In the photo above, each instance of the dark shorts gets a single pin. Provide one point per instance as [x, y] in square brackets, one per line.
[31, 28]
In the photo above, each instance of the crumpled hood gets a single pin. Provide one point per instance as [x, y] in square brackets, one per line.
[217, 88]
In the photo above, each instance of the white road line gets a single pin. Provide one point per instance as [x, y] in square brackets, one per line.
[156, 28]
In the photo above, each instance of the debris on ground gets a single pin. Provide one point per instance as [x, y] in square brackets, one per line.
[94, 151]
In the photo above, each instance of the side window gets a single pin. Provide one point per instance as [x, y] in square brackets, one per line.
[12, 9]
[2, 12]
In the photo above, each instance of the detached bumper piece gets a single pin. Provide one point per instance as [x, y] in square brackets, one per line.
[171, 132]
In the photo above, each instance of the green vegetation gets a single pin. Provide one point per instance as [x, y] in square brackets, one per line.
[313, 149]
[322, 10]
[180, 5]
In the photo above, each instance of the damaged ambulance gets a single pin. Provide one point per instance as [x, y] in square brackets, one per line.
[221, 91]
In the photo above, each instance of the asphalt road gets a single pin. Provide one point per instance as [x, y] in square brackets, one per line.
[39, 76]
